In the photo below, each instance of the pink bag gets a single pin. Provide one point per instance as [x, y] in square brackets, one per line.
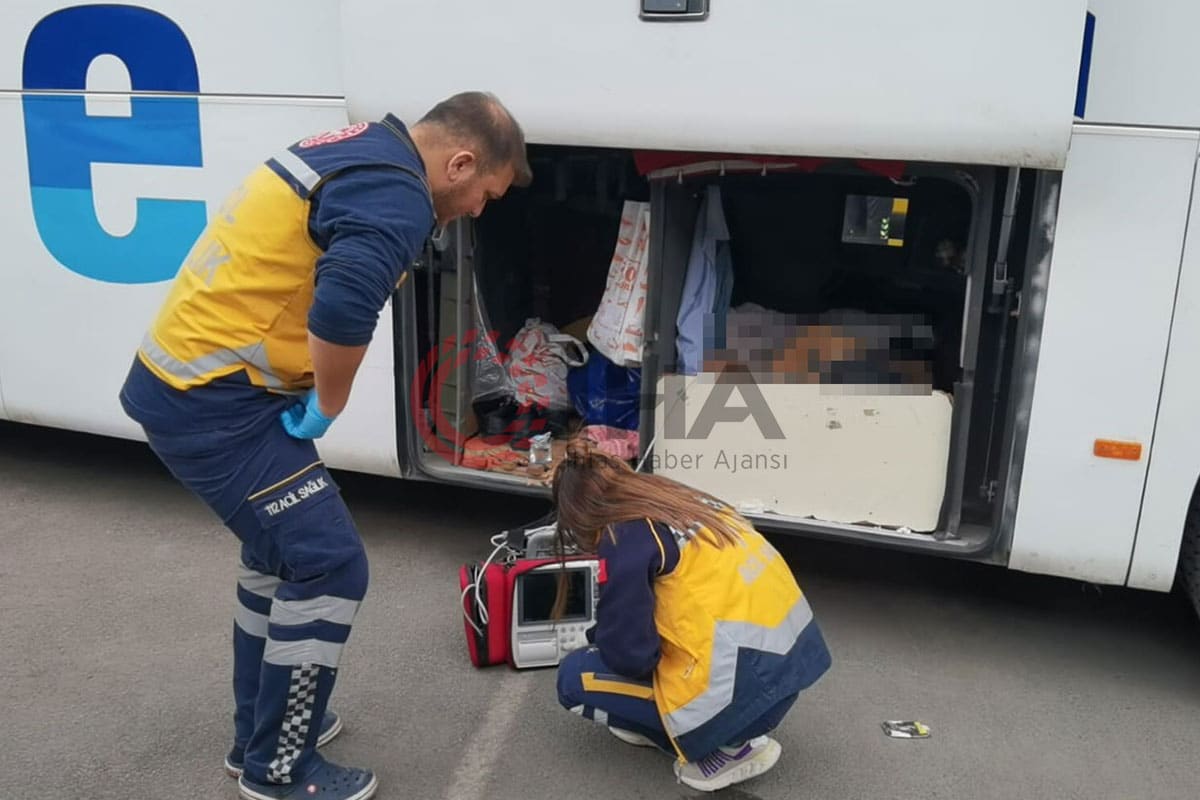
[616, 442]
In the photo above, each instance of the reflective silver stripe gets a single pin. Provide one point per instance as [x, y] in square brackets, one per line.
[600, 717]
[304, 651]
[305, 175]
[258, 583]
[251, 622]
[251, 355]
[325, 607]
[728, 639]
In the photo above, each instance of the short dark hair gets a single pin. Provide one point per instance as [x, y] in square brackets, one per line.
[480, 119]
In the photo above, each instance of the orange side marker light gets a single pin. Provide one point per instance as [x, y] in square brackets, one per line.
[1122, 451]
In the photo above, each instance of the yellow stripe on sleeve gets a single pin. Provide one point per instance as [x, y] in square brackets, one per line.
[662, 553]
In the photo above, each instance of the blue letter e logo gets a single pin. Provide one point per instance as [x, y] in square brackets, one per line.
[63, 141]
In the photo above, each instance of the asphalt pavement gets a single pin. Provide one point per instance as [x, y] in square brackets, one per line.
[116, 601]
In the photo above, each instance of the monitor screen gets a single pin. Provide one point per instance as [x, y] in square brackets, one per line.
[536, 592]
[875, 220]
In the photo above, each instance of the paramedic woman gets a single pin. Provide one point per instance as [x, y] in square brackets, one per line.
[703, 640]
[252, 357]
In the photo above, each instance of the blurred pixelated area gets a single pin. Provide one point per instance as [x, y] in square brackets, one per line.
[849, 351]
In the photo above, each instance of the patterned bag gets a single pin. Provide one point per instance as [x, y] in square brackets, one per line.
[617, 328]
[538, 364]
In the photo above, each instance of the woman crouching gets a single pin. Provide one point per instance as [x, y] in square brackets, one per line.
[703, 639]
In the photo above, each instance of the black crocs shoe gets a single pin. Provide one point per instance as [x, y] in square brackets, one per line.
[326, 782]
[331, 726]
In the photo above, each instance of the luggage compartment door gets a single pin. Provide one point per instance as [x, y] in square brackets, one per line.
[936, 80]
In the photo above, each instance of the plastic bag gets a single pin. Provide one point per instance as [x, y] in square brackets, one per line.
[617, 329]
[539, 361]
[491, 383]
[606, 394]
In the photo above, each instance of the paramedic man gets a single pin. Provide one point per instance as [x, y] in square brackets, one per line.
[252, 357]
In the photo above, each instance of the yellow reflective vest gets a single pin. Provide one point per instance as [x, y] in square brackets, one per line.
[737, 637]
[242, 298]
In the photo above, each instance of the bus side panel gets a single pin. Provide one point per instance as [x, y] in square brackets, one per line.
[67, 338]
[106, 192]
[929, 80]
[3, 411]
[364, 437]
[1112, 281]
[1144, 63]
[267, 47]
[1175, 457]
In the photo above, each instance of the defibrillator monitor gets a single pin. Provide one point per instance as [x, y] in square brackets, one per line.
[539, 640]
[538, 590]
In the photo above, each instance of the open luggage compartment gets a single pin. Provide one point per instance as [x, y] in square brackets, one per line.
[535, 265]
[842, 342]
[834, 379]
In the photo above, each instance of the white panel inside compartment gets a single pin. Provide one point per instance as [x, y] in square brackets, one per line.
[848, 454]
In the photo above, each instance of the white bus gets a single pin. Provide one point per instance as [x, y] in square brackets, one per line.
[1038, 160]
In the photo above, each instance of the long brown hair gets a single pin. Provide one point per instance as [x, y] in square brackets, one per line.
[593, 491]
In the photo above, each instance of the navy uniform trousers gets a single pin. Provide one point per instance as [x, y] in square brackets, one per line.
[302, 575]
[588, 687]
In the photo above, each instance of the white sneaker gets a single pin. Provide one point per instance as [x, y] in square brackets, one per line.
[632, 737]
[729, 765]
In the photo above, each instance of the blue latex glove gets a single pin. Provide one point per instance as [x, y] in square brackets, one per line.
[304, 420]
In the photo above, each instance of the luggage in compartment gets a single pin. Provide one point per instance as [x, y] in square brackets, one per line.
[816, 386]
[797, 365]
[559, 272]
